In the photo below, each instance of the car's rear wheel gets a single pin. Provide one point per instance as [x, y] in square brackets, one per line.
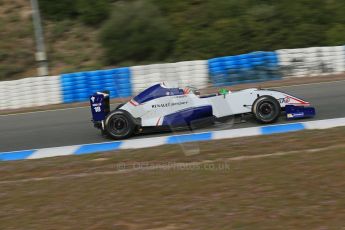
[266, 109]
[119, 125]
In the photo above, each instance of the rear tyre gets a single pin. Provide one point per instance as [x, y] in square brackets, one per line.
[119, 125]
[266, 109]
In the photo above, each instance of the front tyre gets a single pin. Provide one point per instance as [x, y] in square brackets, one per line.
[266, 109]
[119, 125]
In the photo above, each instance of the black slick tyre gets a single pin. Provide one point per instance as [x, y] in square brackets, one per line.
[266, 109]
[119, 125]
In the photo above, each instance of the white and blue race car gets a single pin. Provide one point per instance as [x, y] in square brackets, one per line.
[165, 105]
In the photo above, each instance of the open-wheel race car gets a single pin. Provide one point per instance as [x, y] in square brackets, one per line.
[164, 105]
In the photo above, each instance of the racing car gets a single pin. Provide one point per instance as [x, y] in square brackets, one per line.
[164, 105]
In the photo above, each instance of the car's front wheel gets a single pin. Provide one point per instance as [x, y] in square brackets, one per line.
[119, 124]
[266, 109]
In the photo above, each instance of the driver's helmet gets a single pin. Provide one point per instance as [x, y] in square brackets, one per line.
[223, 91]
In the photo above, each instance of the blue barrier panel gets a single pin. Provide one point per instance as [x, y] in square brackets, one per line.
[77, 87]
[244, 68]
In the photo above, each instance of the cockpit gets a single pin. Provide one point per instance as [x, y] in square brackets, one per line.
[156, 91]
[164, 89]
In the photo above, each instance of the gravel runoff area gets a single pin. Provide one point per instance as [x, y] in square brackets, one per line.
[210, 89]
[287, 181]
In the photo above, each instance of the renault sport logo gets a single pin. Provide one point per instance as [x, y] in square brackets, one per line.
[164, 105]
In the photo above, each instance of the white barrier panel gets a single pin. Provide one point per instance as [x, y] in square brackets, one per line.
[28, 92]
[192, 73]
[312, 61]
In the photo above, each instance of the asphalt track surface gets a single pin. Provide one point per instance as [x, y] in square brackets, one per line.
[72, 126]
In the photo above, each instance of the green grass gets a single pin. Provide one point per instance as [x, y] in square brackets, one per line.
[71, 46]
[193, 30]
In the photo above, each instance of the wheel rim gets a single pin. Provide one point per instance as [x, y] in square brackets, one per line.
[266, 110]
[118, 125]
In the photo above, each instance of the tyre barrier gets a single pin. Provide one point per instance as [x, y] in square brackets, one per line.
[245, 68]
[313, 61]
[30, 92]
[128, 81]
[77, 87]
[192, 73]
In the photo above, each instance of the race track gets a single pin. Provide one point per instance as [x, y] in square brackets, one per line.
[73, 126]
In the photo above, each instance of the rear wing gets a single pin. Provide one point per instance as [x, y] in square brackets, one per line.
[100, 106]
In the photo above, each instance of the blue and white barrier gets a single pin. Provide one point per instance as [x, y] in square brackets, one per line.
[245, 68]
[174, 139]
[128, 81]
[77, 87]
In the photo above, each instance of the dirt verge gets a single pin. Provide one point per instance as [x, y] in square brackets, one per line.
[301, 189]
